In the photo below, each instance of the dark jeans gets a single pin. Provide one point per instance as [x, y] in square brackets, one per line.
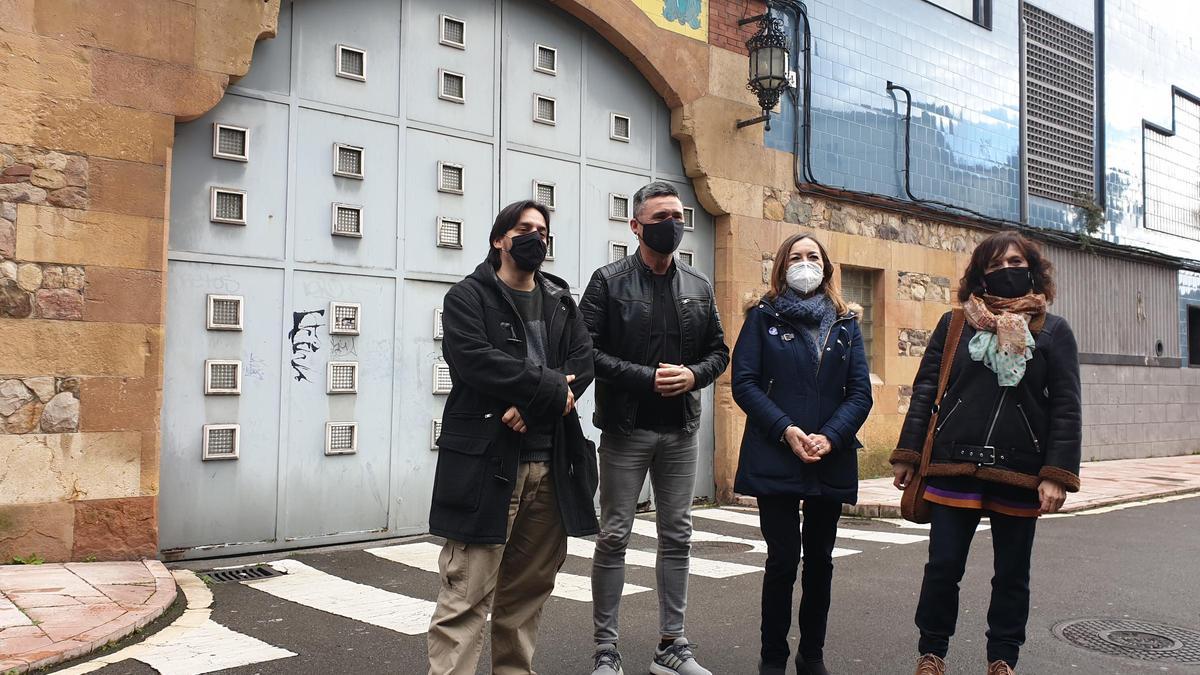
[949, 542]
[780, 522]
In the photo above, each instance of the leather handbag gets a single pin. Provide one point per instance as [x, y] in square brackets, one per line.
[913, 506]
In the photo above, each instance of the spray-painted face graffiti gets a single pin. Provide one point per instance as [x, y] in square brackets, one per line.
[304, 340]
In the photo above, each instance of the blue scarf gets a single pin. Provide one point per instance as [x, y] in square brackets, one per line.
[814, 313]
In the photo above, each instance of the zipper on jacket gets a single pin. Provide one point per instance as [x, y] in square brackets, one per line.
[770, 383]
[1029, 428]
[945, 419]
[996, 416]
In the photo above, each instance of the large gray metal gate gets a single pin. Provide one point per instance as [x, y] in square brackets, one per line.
[319, 214]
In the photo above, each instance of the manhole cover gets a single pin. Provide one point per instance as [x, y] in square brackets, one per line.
[242, 574]
[1133, 639]
[720, 547]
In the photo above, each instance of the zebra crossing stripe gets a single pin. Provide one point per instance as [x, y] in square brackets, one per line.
[423, 555]
[647, 528]
[313, 588]
[751, 520]
[701, 567]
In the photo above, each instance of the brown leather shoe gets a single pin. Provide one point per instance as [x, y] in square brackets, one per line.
[999, 668]
[930, 664]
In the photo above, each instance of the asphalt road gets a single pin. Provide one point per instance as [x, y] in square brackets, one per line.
[1136, 564]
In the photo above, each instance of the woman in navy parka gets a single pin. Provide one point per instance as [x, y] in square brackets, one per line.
[800, 374]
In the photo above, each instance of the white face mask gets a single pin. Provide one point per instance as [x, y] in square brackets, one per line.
[805, 277]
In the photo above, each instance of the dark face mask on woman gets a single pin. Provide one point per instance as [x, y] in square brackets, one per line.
[1009, 282]
[528, 251]
[663, 236]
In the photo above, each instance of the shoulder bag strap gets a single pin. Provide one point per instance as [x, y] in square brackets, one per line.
[957, 320]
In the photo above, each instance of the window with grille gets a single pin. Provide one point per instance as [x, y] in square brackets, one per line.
[221, 441]
[1172, 171]
[438, 331]
[452, 86]
[441, 378]
[449, 233]
[347, 161]
[545, 59]
[858, 286]
[345, 318]
[618, 127]
[543, 193]
[230, 142]
[687, 258]
[228, 206]
[544, 111]
[342, 377]
[351, 63]
[450, 178]
[1060, 114]
[453, 32]
[347, 220]
[435, 431]
[224, 312]
[617, 250]
[341, 438]
[975, 11]
[222, 378]
[618, 207]
[689, 218]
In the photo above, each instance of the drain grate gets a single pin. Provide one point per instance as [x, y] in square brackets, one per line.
[250, 573]
[720, 547]
[1133, 639]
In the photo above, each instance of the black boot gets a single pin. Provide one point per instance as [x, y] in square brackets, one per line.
[810, 667]
[765, 669]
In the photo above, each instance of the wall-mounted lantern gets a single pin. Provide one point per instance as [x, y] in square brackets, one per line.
[768, 65]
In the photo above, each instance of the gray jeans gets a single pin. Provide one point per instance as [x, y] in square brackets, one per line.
[670, 458]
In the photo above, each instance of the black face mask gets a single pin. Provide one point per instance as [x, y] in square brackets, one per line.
[1010, 282]
[663, 236]
[528, 251]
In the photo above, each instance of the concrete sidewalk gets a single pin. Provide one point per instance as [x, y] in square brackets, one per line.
[56, 612]
[1103, 484]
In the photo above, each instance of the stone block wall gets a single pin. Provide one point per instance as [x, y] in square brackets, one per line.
[90, 97]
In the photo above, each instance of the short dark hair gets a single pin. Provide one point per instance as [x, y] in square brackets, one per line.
[992, 248]
[507, 219]
[651, 190]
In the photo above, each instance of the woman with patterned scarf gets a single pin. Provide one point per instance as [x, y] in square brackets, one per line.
[1006, 444]
[800, 374]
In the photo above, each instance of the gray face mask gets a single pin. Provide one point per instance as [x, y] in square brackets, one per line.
[805, 277]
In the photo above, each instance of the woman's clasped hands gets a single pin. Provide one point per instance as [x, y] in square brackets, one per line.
[810, 448]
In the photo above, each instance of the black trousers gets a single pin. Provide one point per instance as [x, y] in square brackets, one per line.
[949, 542]
[780, 522]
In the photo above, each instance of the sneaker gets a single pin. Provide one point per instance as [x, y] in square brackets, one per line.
[607, 660]
[677, 659]
[810, 667]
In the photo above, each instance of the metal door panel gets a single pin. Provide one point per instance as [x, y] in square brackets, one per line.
[601, 183]
[526, 25]
[369, 25]
[424, 56]
[263, 178]
[375, 192]
[229, 500]
[517, 178]
[614, 85]
[271, 69]
[328, 495]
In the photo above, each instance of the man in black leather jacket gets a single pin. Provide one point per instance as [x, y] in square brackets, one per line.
[658, 341]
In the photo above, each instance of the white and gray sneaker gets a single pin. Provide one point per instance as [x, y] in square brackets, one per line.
[608, 660]
[677, 659]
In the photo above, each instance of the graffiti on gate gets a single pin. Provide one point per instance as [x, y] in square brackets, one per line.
[304, 340]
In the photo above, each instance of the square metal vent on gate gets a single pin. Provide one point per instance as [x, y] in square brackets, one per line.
[689, 218]
[452, 86]
[341, 438]
[230, 142]
[347, 220]
[545, 110]
[618, 207]
[227, 206]
[441, 378]
[544, 193]
[687, 257]
[452, 32]
[545, 59]
[342, 377]
[450, 178]
[617, 250]
[221, 441]
[224, 312]
[434, 432]
[352, 63]
[449, 233]
[345, 318]
[438, 331]
[347, 161]
[618, 127]
[222, 377]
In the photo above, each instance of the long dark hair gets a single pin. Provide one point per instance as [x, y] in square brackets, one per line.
[829, 284]
[506, 220]
[994, 247]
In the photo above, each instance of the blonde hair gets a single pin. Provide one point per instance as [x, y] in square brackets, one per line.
[829, 282]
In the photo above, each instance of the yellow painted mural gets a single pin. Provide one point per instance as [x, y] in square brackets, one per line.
[686, 17]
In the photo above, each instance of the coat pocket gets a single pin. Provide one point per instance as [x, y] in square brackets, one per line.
[461, 467]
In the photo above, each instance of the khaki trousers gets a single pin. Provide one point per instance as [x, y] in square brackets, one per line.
[512, 580]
